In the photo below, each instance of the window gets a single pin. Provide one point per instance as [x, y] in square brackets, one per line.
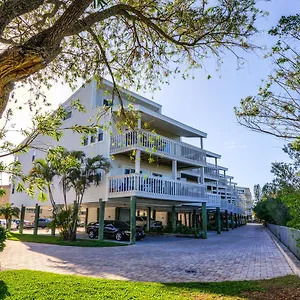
[93, 139]
[13, 189]
[156, 175]
[129, 171]
[85, 141]
[68, 114]
[98, 98]
[107, 102]
[100, 135]
[33, 155]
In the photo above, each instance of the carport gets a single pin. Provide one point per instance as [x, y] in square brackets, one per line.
[152, 205]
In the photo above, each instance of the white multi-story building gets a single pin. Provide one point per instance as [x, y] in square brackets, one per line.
[246, 200]
[178, 177]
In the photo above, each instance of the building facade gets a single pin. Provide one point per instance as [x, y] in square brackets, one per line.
[149, 163]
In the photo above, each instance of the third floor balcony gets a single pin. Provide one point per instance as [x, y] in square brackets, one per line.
[165, 149]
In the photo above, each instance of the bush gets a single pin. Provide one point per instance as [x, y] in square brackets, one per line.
[3, 236]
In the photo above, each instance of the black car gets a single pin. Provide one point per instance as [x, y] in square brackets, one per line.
[117, 230]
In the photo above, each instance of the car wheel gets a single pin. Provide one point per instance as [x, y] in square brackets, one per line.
[119, 236]
[92, 234]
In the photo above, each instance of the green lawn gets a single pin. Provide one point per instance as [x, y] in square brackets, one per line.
[47, 239]
[25, 284]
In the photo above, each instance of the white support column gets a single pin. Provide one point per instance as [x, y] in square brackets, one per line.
[202, 175]
[174, 169]
[137, 164]
[138, 152]
[201, 142]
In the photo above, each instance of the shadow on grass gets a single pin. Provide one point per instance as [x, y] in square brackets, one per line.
[3, 290]
[286, 287]
[228, 288]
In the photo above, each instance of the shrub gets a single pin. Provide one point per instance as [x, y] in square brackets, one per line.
[3, 236]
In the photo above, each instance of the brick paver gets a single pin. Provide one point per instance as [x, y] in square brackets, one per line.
[240, 254]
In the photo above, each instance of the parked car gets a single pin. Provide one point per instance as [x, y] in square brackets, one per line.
[27, 225]
[3, 223]
[43, 222]
[80, 223]
[117, 230]
[142, 222]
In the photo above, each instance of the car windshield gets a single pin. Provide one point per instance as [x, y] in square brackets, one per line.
[121, 224]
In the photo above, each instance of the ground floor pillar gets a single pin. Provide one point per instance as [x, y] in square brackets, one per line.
[36, 219]
[232, 220]
[235, 221]
[132, 220]
[218, 216]
[154, 214]
[86, 217]
[173, 218]
[148, 218]
[226, 220]
[22, 217]
[101, 220]
[204, 220]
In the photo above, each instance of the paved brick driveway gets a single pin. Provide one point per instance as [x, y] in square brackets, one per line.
[243, 253]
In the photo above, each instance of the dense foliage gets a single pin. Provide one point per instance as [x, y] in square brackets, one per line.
[9, 211]
[3, 236]
[280, 202]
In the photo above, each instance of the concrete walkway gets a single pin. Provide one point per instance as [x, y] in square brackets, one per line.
[240, 254]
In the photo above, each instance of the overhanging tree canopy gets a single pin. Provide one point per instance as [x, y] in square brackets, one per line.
[276, 108]
[71, 39]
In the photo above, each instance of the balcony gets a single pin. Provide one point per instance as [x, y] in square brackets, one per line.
[214, 200]
[224, 204]
[211, 172]
[156, 145]
[156, 188]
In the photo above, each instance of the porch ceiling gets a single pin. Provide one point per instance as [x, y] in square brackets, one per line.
[162, 160]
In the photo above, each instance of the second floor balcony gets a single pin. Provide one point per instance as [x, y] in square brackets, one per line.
[152, 144]
[155, 187]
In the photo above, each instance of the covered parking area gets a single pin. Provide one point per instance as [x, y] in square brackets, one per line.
[173, 210]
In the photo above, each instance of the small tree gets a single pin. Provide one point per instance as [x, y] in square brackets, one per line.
[9, 211]
[79, 179]
[44, 171]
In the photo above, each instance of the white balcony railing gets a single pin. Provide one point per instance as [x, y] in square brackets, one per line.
[214, 200]
[156, 144]
[211, 171]
[155, 186]
[224, 204]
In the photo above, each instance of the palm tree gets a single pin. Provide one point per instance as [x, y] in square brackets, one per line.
[88, 173]
[9, 211]
[69, 161]
[81, 178]
[44, 170]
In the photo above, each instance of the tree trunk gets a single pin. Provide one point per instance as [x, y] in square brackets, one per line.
[17, 63]
[53, 210]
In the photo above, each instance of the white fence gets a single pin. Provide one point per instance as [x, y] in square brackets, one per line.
[290, 237]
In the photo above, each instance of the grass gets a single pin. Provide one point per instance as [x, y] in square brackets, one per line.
[25, 284]
[48, 239]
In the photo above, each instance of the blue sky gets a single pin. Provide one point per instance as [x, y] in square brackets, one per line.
[208, 105]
